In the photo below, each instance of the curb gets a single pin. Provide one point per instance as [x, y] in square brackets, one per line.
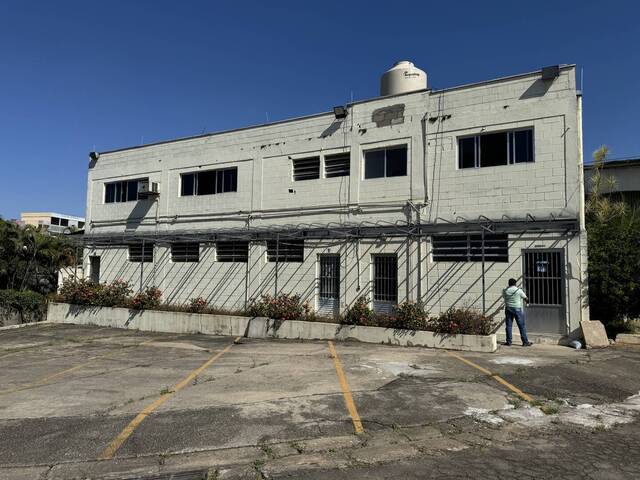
[29, 324]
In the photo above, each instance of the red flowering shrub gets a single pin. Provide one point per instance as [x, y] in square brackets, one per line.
[149, 299]
[80, 292]
[359, 313]
[114, 294]
[411, 316]
[198, 305]
[282, 307]
[462, 321]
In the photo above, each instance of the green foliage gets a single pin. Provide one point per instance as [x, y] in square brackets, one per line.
[281, 307]
[30, 258]
[462, 321]
[411, 316]
[149, 299]
[359, 313]
[613, 230]
[23, 302]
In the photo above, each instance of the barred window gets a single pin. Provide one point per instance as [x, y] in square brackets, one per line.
[232, 251]
[285, 250]
[139, 252]
[468, 248]
[306, 169]
[185, 252]
[385, 278]
[338, 165]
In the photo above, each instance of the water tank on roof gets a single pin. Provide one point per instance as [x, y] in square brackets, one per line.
[403, 77]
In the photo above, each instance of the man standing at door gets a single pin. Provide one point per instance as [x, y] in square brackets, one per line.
[513, 297]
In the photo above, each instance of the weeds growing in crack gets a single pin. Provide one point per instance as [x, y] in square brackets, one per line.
[166, 391]
[297, 447]
[268, 451]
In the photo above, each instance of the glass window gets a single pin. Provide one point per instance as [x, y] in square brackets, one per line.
[467, 152]
[494, 149]
[374, 164]
[187, 184]
[396, 162]
[523, 148]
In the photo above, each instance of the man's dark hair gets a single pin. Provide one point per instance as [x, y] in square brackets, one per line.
[512, 282]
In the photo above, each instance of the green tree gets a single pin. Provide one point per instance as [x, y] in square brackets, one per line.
[30, 258]
[613, 230]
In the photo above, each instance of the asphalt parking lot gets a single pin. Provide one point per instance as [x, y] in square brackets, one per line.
[90, 402]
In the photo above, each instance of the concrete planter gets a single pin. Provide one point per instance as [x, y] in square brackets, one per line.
[628, 338]
[259, 327]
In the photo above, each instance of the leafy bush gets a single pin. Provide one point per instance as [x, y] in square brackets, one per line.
[462, 321]
[80, 292]
[282, 307]
[411, 316]
[114, 294]
[25, 302]
[198, 305]
[359, 313]
[149, 299]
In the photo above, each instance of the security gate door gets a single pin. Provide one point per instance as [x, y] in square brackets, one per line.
[329, 285]
[544, 285]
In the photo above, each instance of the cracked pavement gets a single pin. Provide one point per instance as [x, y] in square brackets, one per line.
[275, 409]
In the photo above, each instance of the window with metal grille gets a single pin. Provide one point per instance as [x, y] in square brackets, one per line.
[290, 250]
[468, 248]
[494, 149]
[306, 169]
[385, 278]
[338, 165]
[185, 252]
[139, 254]
[329, 279]
[543, 277]
[385, 162]
[232, 251]
[124, 191]
[209, 182]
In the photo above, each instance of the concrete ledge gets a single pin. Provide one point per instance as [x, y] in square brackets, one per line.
[628, 338]
[23, 325]
[259, 327]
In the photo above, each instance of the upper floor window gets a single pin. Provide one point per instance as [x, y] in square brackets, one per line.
[123, 191]
[494, 149]
[209, 182]
[337, 165]
[306, 169]
[385, 162]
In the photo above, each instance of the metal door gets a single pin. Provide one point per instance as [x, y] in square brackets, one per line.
[329, 285]
[544, 285]
[94, 269]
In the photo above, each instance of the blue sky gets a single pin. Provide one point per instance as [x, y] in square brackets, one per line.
[79, 75]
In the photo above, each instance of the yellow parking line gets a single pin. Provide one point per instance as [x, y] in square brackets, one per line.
[348, 398]
[44, 380]
[113, 447]
[496, 377]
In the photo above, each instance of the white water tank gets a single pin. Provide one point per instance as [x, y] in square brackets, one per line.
[403, 77]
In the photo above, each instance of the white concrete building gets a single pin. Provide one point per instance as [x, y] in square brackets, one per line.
[389, 198]
[54, 222]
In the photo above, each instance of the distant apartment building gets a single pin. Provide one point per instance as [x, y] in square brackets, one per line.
[57, 223]
[433, 196]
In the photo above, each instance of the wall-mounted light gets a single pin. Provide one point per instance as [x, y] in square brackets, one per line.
[340, 112]
[94, 156]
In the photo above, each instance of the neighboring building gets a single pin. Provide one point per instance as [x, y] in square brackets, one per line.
[53, 222]
[431, 195]
[620, 179]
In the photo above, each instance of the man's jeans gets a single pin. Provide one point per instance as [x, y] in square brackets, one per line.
[517, 314]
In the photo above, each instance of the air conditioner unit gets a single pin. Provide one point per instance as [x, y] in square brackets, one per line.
[147, 189]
